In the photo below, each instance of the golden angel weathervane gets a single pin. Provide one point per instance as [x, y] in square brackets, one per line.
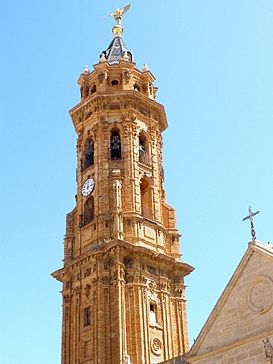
[117, 15]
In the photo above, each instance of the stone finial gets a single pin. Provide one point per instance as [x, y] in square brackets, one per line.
[145, 67]
[102, 58]
[86, 70]
[126, 57]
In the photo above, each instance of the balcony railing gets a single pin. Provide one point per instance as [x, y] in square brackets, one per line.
[85, 219]
[147, 212]
[144, 158]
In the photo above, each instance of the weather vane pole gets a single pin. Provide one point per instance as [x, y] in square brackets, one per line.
[250, 218]
[117, 15]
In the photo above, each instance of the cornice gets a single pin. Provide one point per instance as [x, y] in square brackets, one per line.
[124, 247]
[252, 338]
[116, 103]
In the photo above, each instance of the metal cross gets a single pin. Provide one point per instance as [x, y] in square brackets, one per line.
[250, 218]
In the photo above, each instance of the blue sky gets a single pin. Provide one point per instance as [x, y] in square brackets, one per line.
[213, 63]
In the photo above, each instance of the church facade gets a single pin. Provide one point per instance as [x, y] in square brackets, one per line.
[239, 330]
[123, 279]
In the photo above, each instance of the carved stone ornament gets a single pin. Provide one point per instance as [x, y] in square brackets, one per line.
[105, 280]
[153, 296]
[106, 294]
[260, 294]
[126, 129]
[76, 290]
[163, 286]
[152, 286]
[178, 292]
[101, 77]
[127, 75]
[87, 290]
[144, 280]
[268, 349]
[66, 298]
[145, 293]
[156, 346]
[87, 272]
[87, 349]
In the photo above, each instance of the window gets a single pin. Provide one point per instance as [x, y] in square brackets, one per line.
[114, 82]
[146, 198]
[143, 150]
[88, 154]
[89, 210]
[152, 314]
[86, 316]
[115, 145]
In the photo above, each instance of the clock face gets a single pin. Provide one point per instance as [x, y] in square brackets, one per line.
[88, 187]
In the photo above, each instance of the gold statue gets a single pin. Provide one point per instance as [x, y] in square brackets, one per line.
[118, 14]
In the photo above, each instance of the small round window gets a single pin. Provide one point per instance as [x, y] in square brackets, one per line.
[114, 82]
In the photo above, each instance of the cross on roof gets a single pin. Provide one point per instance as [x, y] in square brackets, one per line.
[250, 218]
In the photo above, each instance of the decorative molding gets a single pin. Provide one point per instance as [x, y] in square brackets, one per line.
[110, 103]
[156, 346]
[127, 76]
[260, 294]
[87, 289]
[66, 298]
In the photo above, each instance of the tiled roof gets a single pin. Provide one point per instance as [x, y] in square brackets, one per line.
[117, 50]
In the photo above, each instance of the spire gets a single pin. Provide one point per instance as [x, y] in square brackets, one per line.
[117, 49]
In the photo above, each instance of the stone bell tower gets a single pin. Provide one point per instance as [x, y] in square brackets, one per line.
[123, 280]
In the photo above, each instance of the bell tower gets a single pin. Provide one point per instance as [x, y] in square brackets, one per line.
[123, 280]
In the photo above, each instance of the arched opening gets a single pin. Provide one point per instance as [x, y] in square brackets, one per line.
[115, 144]
[89, 210]
[136, 87]
[128, 262]
[146, 198]
[143, 149]
[88, 154]
[85, 91]
[93, 89]
[87, 316]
